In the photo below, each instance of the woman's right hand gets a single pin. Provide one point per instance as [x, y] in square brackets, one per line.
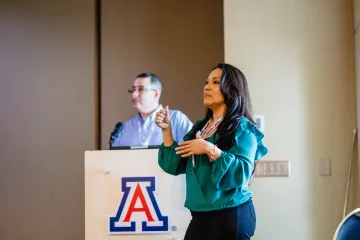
[162, 119]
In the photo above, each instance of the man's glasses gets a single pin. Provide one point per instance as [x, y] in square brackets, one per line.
[140, 90]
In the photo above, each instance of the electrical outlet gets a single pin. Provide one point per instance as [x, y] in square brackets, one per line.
[273, 168]
[325, 166]
[260, 122]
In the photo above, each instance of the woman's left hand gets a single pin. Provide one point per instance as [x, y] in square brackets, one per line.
[193, 147]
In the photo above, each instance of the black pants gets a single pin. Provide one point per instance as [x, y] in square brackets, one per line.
[236, 223]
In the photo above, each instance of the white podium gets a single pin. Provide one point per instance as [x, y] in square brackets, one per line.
[129, 197]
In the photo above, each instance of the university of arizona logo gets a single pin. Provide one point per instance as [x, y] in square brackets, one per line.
[138, 211]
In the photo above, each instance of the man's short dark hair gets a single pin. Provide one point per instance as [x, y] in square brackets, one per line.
[154, 79]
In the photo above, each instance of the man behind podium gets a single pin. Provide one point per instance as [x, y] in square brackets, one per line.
[141, 130]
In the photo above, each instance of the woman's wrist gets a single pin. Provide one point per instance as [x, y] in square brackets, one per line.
[166, 130]
[208, 148]
[167, 137]
[212, 151]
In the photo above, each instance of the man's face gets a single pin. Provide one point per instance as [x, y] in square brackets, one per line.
[144, 96]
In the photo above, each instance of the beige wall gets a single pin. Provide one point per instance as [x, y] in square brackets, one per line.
[299, 59]
[181, 41]
[47, 116]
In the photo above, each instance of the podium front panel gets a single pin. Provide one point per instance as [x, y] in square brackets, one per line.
[129, 197]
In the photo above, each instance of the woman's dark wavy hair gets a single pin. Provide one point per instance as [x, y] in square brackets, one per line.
[234, 88]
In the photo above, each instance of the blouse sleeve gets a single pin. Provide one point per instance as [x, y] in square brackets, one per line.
[234, 168]
[171, 162]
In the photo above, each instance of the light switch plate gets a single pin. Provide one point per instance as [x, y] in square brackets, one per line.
[272, 168]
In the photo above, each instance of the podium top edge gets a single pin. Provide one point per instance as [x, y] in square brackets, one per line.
[126, 148]
[134, 147]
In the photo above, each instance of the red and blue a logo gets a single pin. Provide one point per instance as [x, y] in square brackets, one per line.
[138, 211]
